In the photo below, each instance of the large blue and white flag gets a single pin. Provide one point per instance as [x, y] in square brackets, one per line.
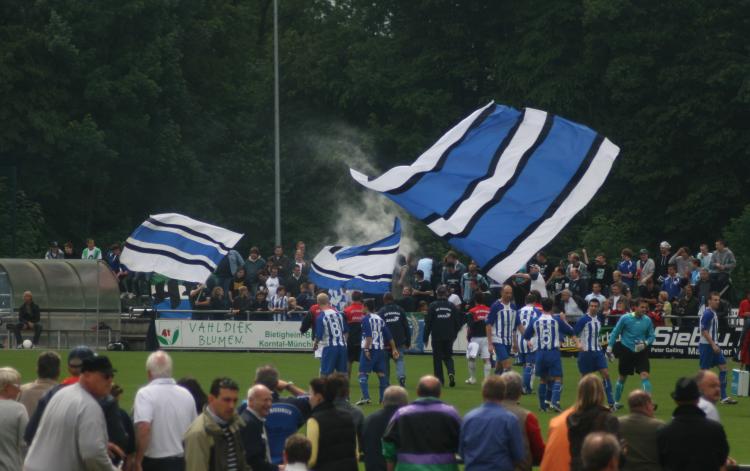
[502, 183]
[367, 268]
[178, 247]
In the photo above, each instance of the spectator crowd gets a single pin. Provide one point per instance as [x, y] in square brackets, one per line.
[77, 423]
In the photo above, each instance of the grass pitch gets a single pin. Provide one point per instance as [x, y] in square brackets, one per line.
[301, 367]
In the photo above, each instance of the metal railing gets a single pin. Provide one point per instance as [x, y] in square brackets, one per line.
[229, 314]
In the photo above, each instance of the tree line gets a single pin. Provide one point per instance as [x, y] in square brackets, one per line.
[112, 110]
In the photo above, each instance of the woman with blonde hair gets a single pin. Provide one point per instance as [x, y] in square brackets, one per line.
[589, 415]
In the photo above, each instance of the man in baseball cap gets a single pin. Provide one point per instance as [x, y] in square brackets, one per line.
[76, 357]
[73, 433]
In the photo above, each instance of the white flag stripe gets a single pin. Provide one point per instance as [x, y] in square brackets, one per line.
[188, 257]
[374, 266]
[576, 200]
[187, 235]
[219, 234]
[166, 248]
[524, 138]
[173, 268]
[397, 176]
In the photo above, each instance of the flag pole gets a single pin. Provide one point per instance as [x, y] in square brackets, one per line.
[277, 164]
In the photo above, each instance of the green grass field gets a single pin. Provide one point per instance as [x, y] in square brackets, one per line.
[300, 367]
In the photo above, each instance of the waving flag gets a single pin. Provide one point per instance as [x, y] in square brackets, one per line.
[178, 247]
[367, 268]
[502, 183]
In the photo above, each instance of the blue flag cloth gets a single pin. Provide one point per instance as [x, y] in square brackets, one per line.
[502, 183]
[367, 268]
[177, 246]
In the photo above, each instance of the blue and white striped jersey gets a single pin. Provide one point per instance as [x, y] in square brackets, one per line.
[525, 316]
[374, 326]
[588, 329]
[548, 330]
[330, 329]
[709, 322]
[504, 321]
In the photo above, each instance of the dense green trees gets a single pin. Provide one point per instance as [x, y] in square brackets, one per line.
[112, 110]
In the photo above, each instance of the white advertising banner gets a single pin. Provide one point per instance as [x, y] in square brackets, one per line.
[231, 335]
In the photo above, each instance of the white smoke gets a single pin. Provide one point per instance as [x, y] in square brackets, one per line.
[362, 215]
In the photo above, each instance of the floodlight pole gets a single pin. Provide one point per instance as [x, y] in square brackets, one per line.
[277, 164]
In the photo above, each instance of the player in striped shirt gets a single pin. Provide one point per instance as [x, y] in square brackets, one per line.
[591, 357]
[527, 348]
[710, 352]
[549, 330]
[477, 331]
[375, 337]
[502, 323]
[330, 333]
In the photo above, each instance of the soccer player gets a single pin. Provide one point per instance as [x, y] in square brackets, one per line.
[636, 332]
[502, 323]
[591, 357]
[710, 352]
[375, 336]
[330, 333]
[477, 328]
[354, 313]
[548, 330]
[527, 348]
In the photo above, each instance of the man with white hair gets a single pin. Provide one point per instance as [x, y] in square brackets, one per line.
[710, 387]
[254, 435]
[14, 418]
[162, 413]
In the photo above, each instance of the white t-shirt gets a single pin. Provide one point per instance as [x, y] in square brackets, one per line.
[272, 284]
[571, 308]
[455, 299]
[538, 284]
[425, 264]
[709, 409]
[170, 409]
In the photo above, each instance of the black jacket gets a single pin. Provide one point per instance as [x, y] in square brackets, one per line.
[29, 315]
[337, 445]
[692, 442]
[580, 424]
[395, 318]
[443, 321]
[254, 441]
[375, 425]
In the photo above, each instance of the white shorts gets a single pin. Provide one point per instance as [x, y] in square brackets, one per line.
[478, 348]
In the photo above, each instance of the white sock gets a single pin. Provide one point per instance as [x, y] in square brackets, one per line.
[472, 367]
[487, 370]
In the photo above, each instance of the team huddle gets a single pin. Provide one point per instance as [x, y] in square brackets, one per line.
[499, 335]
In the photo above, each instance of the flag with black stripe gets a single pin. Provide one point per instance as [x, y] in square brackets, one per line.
[502, 183]
[367, 268]
[177, 246]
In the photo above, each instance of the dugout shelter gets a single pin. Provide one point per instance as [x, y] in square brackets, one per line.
[79, 300]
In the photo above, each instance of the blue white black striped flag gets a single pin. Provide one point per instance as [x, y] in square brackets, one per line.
[178, 247]
[367, 268]
[502, 183]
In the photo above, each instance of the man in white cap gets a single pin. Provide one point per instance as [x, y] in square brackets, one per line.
[662, 262]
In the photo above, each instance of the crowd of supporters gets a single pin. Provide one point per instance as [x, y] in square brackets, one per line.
[77, 423]
[674, 282]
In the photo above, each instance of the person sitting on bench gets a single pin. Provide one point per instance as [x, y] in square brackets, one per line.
[29, 318]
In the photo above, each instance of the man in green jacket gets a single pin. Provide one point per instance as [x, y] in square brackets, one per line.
[213, 443]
